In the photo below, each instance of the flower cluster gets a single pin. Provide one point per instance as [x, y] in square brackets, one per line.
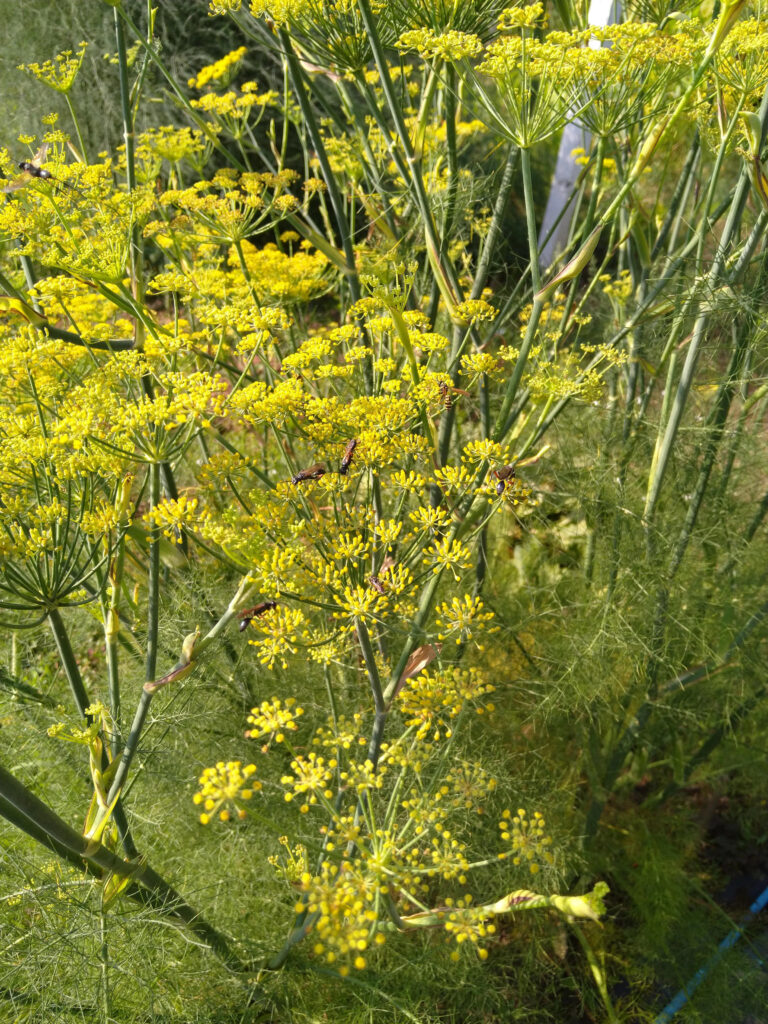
[223, 787]
[528, 842]
[272, 718]
[431, 700]
[60, 72]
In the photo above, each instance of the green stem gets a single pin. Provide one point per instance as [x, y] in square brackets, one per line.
[453, 159]
[69, 663]
[494, 229]
[316, 138]
[111, 633]
[182, 100]
[73, 115]
[104, 964]
[415, 634]
[501, 426]
[153, 577]
[443, 270]
[721, 408]
[182, 668]
[72, 672]
[137, 242]
[24, 810]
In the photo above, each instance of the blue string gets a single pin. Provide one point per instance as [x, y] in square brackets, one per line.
[730, 940]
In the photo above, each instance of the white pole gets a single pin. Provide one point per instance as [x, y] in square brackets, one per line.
[575, 136]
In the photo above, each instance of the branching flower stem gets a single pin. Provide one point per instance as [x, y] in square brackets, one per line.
[441, 268]
[192, 650]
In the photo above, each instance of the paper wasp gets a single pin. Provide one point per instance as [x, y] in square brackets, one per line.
[255, 613]
[445, 393]
[313, 473]
[346, 460]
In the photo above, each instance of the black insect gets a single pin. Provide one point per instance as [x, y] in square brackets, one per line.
[31, 169]
[254, 613]
[313, 473]
[503, 474]
[346, 459]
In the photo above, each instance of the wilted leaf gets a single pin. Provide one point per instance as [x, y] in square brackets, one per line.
[417, 662]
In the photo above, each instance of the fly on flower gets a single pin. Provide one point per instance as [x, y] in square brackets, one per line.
[377, 585]
[254, 613]
[32, 170]
[313, 473]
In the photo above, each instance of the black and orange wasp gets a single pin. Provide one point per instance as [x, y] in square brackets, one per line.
[313, 473]
[255, 612]
[503, 474]
[346, 459]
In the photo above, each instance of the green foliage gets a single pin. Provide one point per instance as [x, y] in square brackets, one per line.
[492, 539]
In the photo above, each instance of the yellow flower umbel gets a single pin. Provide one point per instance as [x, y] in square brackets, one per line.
[221, 72]
[272, 719]
[528, 843]
[223, 787]
[60, 72]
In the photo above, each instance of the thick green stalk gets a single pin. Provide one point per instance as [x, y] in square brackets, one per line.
[106, 1008]
[137, 239]
[676, 204]
[453, 159]
[153, 577]
[727, 240]
[192, 649]
[24, 810]
[494, 228]
[692, 354]
[72, 672]
[721, 408]
[111, 634]
[380, 716]
[501, 426]
[416, 632]
[69, 663]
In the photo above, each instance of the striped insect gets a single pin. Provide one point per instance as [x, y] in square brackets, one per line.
[312, 473]
[446, 393]
[254, 613]
[503, 474]
[346, 459]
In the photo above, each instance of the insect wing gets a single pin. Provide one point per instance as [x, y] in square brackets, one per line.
[30, 169]
[313, 473]
[20, 182]
[40, 155]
